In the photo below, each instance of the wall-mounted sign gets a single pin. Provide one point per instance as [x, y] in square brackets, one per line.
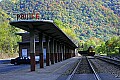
[28, 16]
[24, 52]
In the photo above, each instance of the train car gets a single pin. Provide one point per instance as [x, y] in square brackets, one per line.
[84, 53]
[89, 52]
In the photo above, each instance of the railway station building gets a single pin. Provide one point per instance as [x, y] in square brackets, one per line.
[24, 45]
[44, 36]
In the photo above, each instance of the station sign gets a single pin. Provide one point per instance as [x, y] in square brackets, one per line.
[28, 16]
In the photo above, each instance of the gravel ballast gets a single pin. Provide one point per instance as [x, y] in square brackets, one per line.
[104, 67]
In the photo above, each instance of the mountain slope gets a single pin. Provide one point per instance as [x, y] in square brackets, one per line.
[87, 18]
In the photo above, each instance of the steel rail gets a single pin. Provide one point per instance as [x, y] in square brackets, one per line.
[108, 60]
[71, 76]
[95, 73]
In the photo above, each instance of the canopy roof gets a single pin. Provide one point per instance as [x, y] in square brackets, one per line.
[46, 27]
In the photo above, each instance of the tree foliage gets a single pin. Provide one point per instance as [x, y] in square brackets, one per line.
[8, 39]
[68, 31]
[110, 47]
[88, 18]
[92, 21]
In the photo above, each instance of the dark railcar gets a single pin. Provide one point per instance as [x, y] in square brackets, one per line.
[84, 53]
[89, 52]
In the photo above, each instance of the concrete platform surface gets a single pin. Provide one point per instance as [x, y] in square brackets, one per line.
[51, 72]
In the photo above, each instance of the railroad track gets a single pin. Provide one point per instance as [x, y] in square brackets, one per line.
[109, 60]
[84, 67]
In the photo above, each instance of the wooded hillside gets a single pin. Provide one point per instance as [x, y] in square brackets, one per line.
[87, 18]
[93, 21]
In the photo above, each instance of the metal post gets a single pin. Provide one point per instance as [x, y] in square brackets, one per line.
[58, 52]
[67, 53]
[70, 53]
[61, 52]
[64, 52]
[41, 50]
[52, 51]
[56, 58]
[74, 52]
[47, 52]
[32, 49]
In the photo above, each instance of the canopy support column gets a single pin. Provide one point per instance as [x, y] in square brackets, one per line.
[56, 57]
[47, 51]
[61, 52]
[41, 50]
[58, 52]
[64, 52]
[32, 49]
[73, 52]
[52, 51]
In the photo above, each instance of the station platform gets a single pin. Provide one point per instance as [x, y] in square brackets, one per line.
[57, 71]
[52, 72]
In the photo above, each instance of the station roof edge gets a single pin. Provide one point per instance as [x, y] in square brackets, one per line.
[44, 24]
